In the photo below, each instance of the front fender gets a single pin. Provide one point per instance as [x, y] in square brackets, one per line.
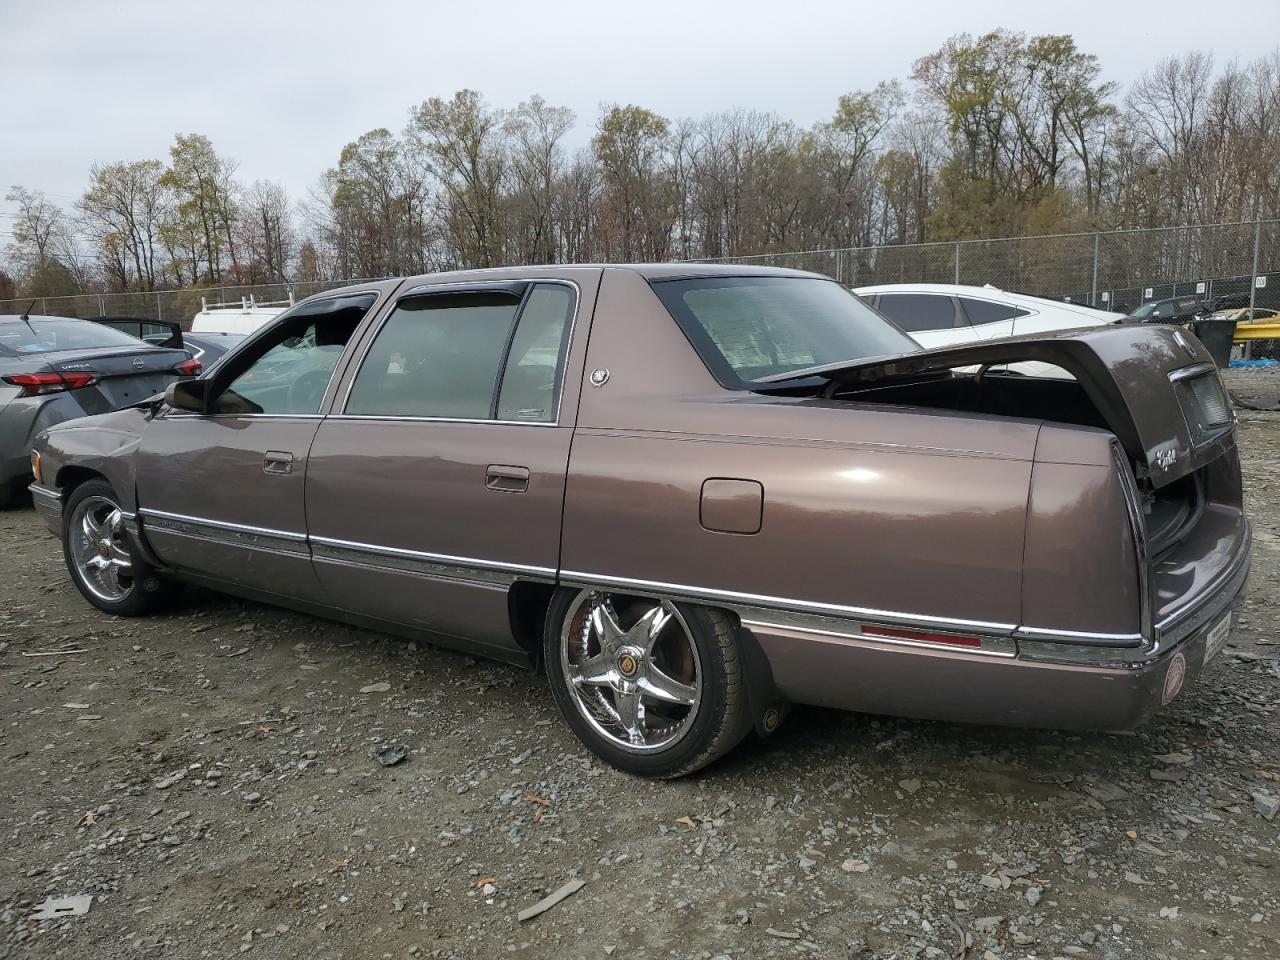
[103, 444]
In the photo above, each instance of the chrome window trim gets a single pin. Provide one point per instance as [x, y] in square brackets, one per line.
[171, 415]
[354, 417]
[358, 362]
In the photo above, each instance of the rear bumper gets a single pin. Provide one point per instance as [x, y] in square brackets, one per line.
[853, 673]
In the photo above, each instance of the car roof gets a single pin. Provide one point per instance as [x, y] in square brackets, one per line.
[18, 318]
[953, 289]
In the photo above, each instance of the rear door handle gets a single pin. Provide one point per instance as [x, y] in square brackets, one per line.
[505, 479]
[279, 462]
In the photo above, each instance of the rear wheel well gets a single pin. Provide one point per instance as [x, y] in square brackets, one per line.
[527, 604]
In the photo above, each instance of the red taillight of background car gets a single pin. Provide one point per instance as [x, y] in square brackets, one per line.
[38, 384]
[189, 368]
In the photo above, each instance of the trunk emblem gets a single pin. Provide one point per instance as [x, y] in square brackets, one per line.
[137, 362]
[1184, 343]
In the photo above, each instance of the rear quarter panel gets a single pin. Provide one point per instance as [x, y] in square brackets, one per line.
[888, 509]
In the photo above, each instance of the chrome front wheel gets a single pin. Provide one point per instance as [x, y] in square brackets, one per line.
[98, 548]
[101, 555]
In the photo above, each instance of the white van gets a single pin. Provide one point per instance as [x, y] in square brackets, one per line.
[245, 317]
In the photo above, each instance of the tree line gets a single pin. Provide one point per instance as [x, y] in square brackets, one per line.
[997, 135]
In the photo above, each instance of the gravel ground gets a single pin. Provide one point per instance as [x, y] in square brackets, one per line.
[208, 778]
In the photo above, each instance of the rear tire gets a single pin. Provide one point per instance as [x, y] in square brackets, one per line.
[102, 561]
[651, 686]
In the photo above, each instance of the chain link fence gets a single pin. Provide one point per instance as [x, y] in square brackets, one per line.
[180, 305]
[1228, 264]
[1114, 270]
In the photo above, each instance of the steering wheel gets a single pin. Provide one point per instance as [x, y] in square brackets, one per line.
[307, 391]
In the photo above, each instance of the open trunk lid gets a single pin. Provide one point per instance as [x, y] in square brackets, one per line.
[1156, 386]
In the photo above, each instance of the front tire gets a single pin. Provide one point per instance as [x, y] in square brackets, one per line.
[650, 686]
[102, 561]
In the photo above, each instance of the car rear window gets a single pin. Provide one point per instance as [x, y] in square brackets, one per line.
[748, 328]
[18, 337]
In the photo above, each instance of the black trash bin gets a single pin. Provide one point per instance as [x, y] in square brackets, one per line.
[1216, 333]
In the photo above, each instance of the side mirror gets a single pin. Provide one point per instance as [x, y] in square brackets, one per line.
[190, 395]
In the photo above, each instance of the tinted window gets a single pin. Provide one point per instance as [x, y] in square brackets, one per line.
[531, 380]
[915, 312]
[987, 311]
[287, 368]
[436, 356]
[47, 335]
[747, 328]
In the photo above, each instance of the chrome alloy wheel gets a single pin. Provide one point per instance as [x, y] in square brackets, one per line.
[99, 549]
[632, 668]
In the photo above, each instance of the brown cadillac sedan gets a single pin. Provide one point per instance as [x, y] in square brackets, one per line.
[696, 494]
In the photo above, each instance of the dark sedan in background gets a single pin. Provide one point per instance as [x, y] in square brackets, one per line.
[54, 369]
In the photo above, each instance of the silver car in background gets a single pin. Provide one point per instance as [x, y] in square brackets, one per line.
[54, 369]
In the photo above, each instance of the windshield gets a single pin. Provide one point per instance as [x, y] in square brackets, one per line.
[52, 333]
[749, 328]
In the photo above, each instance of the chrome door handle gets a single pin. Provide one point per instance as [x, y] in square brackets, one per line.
[504, 479]
[277, 462]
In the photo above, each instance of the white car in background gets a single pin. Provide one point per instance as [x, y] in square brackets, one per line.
[945, 314]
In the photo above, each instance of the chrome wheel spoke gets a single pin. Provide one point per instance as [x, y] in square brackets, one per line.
[605, 625]
[660, 686]
[89, 527]
[630, 709]
[594, 671]
[649, 626]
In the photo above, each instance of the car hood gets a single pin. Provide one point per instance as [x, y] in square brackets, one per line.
[1130, 373]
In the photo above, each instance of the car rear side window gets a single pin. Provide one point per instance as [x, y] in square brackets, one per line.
[988, 311]
[917, 312]
[437, 356]
[530, 388]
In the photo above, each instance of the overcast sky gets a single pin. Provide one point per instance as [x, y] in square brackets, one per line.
[282, 85]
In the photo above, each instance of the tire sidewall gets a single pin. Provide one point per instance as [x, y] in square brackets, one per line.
[707, 723]
[139, 600]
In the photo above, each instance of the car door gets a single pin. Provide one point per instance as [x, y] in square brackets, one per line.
[931, 319]
[220, 493]
[437, 482]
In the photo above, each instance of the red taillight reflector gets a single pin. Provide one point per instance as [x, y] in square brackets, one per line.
[35, 384]
[189, 368]
[921, 636]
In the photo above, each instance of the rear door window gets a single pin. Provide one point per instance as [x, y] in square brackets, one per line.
[916, 312]
[475, 355]
[988, 311]
[530, 390]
